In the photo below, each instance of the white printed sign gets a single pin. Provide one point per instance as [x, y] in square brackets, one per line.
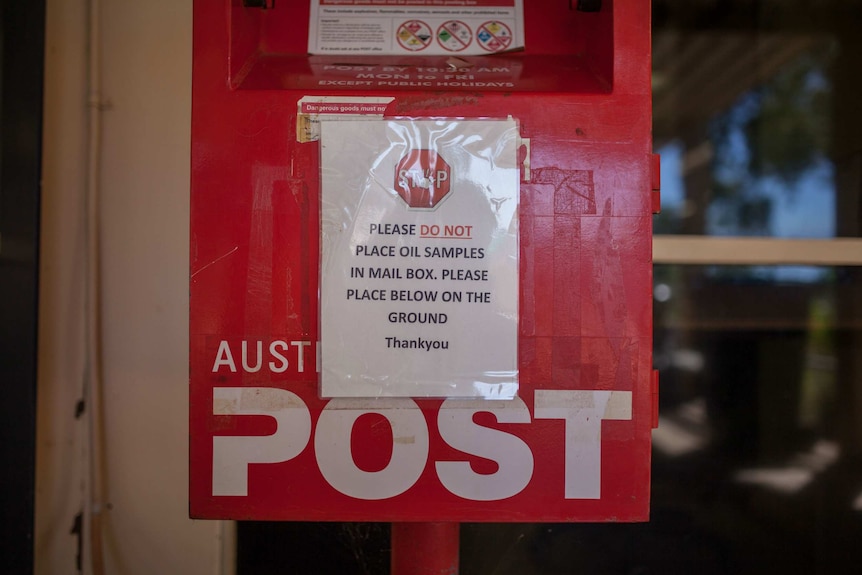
[311, 110]
[420, 27]
[419, 258]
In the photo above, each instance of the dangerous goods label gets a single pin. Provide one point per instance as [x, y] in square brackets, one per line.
[426, 27]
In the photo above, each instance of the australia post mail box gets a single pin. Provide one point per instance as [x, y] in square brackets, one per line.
[421, 260]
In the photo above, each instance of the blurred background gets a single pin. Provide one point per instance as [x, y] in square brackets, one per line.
[757, 461]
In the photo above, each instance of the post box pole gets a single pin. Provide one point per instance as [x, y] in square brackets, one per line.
[425, 548]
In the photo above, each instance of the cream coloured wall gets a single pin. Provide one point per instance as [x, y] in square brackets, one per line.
[144, 177]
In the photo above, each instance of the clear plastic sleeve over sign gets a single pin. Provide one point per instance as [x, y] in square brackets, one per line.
[419, 258]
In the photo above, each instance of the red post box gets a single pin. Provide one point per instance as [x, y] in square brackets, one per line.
[421, 276]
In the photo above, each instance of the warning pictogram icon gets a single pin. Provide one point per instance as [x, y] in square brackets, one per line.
[454, 36]
[422, 179]
[494, 36]
[414, 35]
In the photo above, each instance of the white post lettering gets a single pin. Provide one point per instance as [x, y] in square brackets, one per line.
[512, 455]
[233, 455]
[409, 450]
[583, 412]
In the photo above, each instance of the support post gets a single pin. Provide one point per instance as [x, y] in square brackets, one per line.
[425, 548]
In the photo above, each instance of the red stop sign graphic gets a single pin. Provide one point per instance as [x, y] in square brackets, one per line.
[422, 179]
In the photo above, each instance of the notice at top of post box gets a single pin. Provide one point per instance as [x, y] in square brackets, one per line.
[420, 27]
[419, 258]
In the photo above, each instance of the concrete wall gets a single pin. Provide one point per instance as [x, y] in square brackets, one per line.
[146, 71]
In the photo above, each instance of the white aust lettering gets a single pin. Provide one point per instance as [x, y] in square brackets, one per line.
[581, 411]
[279, 355]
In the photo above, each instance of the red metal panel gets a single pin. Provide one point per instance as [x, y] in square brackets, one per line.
[581, 92]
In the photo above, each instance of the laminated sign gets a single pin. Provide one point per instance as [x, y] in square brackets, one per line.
[419, 258]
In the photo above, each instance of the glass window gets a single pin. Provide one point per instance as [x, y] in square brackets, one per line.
[752, 102]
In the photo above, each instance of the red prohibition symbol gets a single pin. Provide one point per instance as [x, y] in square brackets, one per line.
[454, 36]
[414, 35]
[494, 36]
